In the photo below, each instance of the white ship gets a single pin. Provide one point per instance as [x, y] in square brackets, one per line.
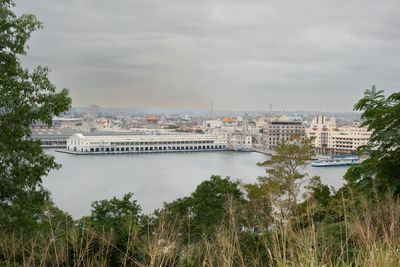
[341, 161]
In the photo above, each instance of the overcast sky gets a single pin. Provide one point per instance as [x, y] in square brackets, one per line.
[243, 55]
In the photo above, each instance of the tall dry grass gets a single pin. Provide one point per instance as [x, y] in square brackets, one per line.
[369, 235]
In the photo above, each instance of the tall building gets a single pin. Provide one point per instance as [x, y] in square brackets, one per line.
[280, 129]
[245, 122]
[94, 110]
[319, 129]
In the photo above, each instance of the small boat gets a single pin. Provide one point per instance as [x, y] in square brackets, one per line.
[333, 162]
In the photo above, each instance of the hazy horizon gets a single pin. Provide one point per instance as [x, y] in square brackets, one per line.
[207, 110]
[242, 55]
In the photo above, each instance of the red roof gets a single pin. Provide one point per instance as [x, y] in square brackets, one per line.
[152, 118]
[227, 120]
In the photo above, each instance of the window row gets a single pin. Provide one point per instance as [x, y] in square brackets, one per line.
[138, 149]
[161, 143]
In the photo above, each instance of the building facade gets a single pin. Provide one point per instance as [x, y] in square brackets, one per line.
[329, 138]
[320, 129]
[80, 144]
[281, 129]
[212, 124]
[240, 141]
[348, 139]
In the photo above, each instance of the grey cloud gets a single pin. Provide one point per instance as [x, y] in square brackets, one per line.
[240, 54]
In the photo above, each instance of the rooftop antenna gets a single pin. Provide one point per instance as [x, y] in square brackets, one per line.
[211, 110]
[320, 114]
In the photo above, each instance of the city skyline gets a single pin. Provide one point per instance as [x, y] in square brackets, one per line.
[242, 55]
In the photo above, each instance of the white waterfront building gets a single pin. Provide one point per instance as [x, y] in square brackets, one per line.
[329, 138]
[140, 143]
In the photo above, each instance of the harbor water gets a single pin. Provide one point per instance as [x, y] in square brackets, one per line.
[152, 178]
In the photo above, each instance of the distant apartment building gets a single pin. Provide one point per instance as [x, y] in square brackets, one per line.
[348, 139]
[228, 121]
[94, 110]
[261, 122]
[240, 141]
[152, 121]
[329, 138]
[254, 129]
[237, 135]
[280, 129]
[62, 122]
[211, 124]
[104, 123]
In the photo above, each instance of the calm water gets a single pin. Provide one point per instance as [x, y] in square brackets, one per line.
[153, 178]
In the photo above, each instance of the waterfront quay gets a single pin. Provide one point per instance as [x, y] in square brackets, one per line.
[57, 138]
[112, 144]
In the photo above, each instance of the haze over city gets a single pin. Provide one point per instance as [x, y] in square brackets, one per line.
[243, 55]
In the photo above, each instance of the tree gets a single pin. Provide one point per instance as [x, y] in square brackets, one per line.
[205, 209]
[119, 217]
[262, 197]
[381, 170]
[317, 199]
[115, 212]
[284, 168]
[25, 97]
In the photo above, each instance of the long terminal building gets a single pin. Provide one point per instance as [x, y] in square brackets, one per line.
[80, 144]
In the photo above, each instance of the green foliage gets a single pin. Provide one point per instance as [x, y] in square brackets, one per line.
[319, 193]
[261, 198]
[55, 218]
[119, 217]
[25, 97]
[205, 209]
[284, 168]
[318, 198]
[115, 212]
[382, 168]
